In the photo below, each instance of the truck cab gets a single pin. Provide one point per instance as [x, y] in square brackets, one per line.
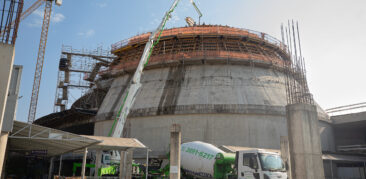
[260, 164]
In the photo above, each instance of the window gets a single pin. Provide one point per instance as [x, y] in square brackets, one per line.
[271, 162]
[246, 159]
[250, 160]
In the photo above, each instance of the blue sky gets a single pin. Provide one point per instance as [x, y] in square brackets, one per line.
[332, 35]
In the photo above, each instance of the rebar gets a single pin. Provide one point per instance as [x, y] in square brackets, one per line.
[10, 14]
[297, 89]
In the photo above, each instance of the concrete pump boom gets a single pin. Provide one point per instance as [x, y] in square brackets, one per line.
[134, 86]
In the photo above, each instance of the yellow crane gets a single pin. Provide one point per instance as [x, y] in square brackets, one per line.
[40, 59]
[41, 49]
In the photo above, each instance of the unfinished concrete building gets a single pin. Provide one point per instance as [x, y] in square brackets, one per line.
[223, 85]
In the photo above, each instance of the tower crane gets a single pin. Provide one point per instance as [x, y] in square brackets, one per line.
[41, 49]
[40, 57]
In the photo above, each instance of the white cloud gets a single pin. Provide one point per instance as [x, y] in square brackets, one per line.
[38, 12]
[102, 4]
[38, 18]
[58, 17]
[87, 33]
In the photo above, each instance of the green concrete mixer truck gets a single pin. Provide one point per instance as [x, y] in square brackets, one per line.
[203, 160]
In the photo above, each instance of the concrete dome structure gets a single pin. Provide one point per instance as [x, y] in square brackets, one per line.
[223, 85]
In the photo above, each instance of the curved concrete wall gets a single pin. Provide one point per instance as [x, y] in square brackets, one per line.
[262, 131]
[221, 104]
[195, 89]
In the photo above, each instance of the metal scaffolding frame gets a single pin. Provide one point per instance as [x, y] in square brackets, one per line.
[78, 69]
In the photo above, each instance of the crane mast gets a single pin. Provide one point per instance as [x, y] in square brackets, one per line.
[40, 60]
[134, 86]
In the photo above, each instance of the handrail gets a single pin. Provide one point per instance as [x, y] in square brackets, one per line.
[171, 58]
[201, 30]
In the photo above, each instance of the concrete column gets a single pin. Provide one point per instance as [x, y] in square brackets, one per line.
[84, 163]
[364, 169]
[285, 154]
[50, 170]
[3, 139]
[175, 141]
[6, 66]
[304, 142]
[147, 163]
[98, 162]
[122, 165]
[60, 166]
[331, 168]
[128, 167]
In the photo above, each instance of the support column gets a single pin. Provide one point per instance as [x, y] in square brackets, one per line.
[60, 166]
[304, 142]
[122, 165]
[285, 154]
[84, 163]
[3, 174]
[98, 161]
[147, 163]
[4, 140]
[128, 167]
[331, 168]
[175, 141]
[6, 66]
[50, 170]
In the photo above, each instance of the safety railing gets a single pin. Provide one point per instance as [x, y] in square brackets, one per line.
[204, 30]
[217, 55]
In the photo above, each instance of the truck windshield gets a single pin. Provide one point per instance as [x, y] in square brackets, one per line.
[271, 162]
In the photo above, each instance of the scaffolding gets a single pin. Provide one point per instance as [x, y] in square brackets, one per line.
[200, 42]
[78, 70]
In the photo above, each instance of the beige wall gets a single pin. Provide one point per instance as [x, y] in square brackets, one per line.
[6, 64]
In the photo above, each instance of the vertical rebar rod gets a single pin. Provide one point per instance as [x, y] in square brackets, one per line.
[297, 89]
[8, 20]
[294, 38]
[298, 37]
[17, 20]
[290, 39]
[2, 16]
[283, 40]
